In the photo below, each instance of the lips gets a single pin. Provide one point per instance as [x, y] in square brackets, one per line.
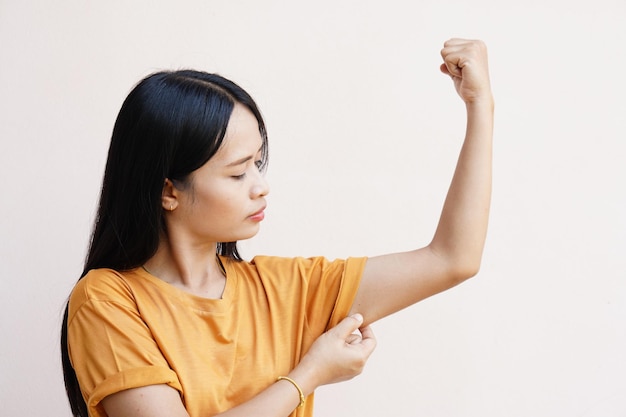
[258, 216]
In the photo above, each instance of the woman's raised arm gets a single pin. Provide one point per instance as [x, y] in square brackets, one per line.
[393, 282]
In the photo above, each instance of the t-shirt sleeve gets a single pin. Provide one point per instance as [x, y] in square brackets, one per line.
[332, 289]
[110, 346]
[321, 290]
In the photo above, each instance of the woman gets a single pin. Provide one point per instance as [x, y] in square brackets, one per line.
[167, 320]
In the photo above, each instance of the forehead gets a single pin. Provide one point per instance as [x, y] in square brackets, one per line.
[242, 136]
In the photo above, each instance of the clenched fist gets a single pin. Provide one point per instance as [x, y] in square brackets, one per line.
[465, 61]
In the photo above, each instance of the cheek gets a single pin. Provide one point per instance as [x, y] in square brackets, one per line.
[216, 202]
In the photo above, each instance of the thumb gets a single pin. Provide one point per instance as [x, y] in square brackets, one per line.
[347, 326]
[368, 340]
[451, 69]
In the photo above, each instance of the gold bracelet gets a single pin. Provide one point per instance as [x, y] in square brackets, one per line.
[300, 393]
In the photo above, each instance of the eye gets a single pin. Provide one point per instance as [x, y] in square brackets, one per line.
[258, 164]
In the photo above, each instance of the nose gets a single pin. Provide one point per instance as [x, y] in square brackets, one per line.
[261, 187]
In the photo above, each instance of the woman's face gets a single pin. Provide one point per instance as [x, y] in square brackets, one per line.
[225, 198]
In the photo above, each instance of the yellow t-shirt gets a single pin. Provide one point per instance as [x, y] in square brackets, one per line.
[131, 329]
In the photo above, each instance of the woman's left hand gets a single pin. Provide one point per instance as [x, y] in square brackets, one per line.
[465, 61]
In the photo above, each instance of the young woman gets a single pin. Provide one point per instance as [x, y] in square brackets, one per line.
[168, 320]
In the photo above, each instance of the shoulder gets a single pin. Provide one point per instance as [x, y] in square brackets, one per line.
[102, 285]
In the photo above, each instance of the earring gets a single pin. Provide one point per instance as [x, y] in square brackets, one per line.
[171, 207]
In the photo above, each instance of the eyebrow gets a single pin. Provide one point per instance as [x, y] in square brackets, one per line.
[239, 161]
[244, 159]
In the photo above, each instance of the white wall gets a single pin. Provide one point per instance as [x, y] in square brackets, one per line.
[364, 134]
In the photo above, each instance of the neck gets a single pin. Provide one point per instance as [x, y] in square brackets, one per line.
[192, 268]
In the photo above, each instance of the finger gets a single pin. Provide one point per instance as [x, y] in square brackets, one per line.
[353, 339]
[452, 42]
[368, 340]
[347, 326]
[455, 53]
[450, 64]
[453, 61]
[444, 69]
[462, 51]
[367, 332]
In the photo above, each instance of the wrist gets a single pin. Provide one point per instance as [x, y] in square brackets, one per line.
[296, 386]
[484, 102]
[305, 376]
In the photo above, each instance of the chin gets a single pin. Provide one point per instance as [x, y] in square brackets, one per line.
[244, 235]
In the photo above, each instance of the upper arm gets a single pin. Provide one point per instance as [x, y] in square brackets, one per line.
[149, 401]
[395, 281]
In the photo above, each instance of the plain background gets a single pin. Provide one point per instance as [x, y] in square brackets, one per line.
[364, 134]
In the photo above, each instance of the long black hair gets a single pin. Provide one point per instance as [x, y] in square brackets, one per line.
[170, 124]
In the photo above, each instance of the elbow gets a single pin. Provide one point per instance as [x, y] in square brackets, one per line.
[469, 271]
[457, 266]
[462, 270]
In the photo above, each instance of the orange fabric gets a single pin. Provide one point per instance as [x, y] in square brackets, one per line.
[131, 329]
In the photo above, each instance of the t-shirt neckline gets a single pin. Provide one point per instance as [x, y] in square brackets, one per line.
[198, 302]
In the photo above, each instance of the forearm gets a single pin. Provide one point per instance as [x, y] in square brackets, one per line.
[278, 400]
[335, 356]
[461, 232]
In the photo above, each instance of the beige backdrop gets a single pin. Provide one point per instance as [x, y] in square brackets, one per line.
[364, 133]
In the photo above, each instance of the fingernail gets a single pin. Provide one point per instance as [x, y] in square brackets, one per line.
[358, 316]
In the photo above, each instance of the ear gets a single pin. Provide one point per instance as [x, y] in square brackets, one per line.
[170, 196]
